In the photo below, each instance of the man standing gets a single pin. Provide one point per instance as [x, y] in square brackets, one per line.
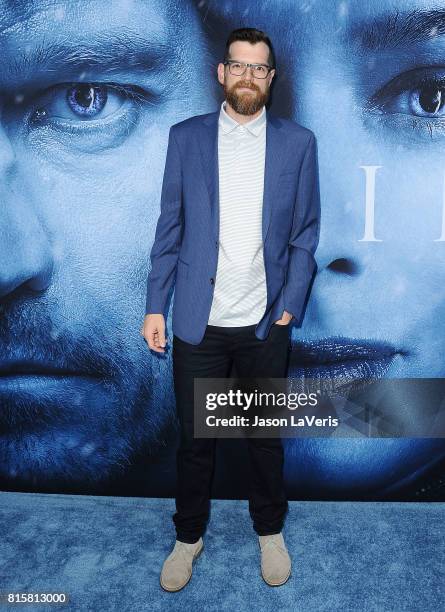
[237, 233]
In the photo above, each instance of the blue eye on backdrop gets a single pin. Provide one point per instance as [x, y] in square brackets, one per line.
[422, 96]
[88, 116]
[83, 101]
[428, 100]
[87, 100]
[415, 99]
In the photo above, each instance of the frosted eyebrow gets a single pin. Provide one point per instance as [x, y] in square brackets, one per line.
[110, 51]
[397, 28]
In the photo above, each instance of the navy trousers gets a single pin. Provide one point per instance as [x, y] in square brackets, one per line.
[213, 357]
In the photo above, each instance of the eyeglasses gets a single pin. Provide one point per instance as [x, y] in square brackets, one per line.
[259, 71]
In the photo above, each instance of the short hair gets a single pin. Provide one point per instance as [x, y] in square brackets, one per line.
[253, 36]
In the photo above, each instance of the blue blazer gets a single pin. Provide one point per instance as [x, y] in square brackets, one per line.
[185, 250]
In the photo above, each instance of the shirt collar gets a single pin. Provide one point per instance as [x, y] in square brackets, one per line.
[228, 124]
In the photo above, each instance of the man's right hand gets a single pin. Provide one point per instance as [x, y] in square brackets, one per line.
[153, 331]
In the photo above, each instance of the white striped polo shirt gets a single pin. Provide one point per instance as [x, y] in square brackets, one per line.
[240, 291]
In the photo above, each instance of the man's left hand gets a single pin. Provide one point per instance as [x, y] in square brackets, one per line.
[285, 319]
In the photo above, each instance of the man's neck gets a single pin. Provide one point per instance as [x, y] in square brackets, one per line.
[240, 118]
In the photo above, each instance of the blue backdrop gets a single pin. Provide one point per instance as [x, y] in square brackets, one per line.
[87, 99]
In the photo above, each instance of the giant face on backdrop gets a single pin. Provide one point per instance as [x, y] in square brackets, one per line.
[88, 90]
[368, 78]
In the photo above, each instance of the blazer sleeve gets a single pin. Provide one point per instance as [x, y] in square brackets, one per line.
[304, 235]
[165, 249]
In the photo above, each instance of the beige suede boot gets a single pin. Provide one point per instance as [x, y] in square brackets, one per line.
[275, 560]
[177, 568]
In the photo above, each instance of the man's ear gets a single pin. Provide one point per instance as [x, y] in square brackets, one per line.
[221, 73]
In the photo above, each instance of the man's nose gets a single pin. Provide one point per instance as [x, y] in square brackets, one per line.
[26, 257]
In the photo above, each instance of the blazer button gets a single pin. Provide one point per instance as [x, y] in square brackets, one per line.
[212, 281]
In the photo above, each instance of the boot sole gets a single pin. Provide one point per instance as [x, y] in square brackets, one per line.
[274, 584]
[195, 556]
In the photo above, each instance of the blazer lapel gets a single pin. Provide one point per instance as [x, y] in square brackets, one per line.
[208, 142]
[275, 152]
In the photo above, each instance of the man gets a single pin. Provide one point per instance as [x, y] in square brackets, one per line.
[239, 226]
[81, 90]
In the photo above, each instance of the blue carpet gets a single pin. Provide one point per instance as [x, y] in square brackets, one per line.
[106, 553]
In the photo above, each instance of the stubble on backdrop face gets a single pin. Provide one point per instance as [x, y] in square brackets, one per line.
[87, 101]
